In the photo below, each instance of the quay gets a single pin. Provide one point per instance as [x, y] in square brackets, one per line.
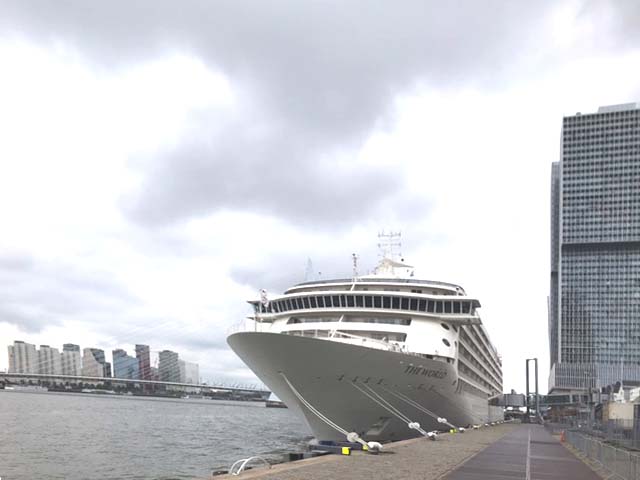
[501, 452]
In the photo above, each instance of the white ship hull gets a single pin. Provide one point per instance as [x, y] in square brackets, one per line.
[324, 371]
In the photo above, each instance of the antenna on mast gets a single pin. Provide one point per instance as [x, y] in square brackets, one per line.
[354, 256]
[389, 244]
[308, 272]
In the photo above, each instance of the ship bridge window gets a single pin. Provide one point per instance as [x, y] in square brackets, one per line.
[327, 301]
[368, 301]
[456, 307]
[447, 307]
[395, 302]
[336, 301]
[438, 307]
[422, 305]
[305, 302]
[413, 304]
[386, 302]
[465, 307]
[405, 304]
[431, 306]
[293, 320]
[384, 320]
[359, 301]
[377, 302]
[343, 301]
[350, 301]
[313, 302]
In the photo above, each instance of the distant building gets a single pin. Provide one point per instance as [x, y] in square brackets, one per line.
[125, 366]
[189, 372]
[71, 360]
[168, 366]
[143, 356]
[594, 300]
[49, 361]
[23, 357]
[94, 363]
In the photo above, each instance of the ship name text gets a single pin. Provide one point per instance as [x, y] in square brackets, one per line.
[426, 372]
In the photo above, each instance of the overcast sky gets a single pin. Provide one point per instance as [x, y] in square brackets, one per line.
[162, 161]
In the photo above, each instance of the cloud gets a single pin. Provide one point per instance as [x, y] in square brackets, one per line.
[312, 81]
[36, 294]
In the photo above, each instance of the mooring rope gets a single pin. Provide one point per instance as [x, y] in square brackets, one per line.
[391, 409]
[350, 436]
[420, 407]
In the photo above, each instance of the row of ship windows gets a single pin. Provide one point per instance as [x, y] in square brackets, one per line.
[464, 353]
[365, 301]
[465, 337]
[348, 319]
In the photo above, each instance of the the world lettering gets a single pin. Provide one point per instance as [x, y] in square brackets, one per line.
[426, 372]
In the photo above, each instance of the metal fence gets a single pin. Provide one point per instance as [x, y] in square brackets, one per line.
[619, 432]
[621, 463]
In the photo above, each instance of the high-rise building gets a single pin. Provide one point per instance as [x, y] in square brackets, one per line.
[94, 363]
[168, 366]
[189, 372]
[49, 361]
[125, 366]
[144, 362]
[23, 357]
[71, 359]
[594, 301]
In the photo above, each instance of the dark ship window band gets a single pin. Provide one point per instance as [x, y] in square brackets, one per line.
[378, 302]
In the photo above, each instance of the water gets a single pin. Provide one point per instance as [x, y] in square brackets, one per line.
[76, 436]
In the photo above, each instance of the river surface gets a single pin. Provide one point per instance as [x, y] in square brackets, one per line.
[84, 436]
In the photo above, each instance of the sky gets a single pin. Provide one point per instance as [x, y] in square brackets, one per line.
[160, 162]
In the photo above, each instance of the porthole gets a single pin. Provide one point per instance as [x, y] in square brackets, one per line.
[446, 342]
[445, 326]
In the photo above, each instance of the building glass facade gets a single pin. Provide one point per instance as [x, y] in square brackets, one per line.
[168, 366]
[23, 357]
[125, 366]
[71, 359]
[594, 301]
[144, 362]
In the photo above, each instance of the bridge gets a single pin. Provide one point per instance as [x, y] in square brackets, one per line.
[10, 378]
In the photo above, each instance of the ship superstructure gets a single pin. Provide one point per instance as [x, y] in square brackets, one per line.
[370, 352]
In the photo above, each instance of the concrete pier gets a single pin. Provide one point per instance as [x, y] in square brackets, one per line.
[507, 451]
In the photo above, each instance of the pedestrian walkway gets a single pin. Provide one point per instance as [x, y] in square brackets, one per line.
[528, 452]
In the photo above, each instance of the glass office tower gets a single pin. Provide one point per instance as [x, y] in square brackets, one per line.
[594, 301]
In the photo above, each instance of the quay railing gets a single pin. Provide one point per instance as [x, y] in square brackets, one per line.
[620, 463]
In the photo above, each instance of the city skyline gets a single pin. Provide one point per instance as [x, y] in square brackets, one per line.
[92, 362]
[156, 178]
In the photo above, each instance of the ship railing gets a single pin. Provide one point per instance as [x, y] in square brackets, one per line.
[371, 342]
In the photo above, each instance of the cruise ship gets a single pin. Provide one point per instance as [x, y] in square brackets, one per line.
[377, 357]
